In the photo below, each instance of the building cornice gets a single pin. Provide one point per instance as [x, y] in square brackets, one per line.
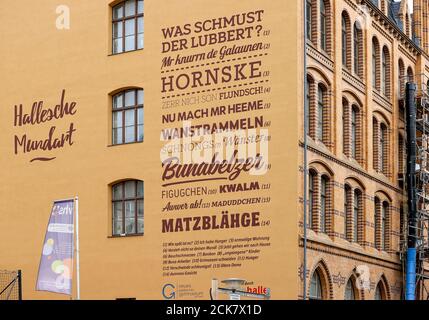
[392, 27]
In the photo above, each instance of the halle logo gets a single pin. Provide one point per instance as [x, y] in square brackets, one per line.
[168, 291]
[63, 19]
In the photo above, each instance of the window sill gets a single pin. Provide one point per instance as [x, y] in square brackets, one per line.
[121, 53]
[124, 144]
[126, 236]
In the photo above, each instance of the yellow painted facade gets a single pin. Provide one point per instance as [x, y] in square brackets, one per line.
[39, 61]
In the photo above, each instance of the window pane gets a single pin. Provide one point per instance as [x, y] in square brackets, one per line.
[140, 210]
[130, 189]
[117, 120]
[140, 97]
[117, 30]
[140, 189]
[130, 43]
[129, 118]
[140, 133]
[130, 134]
[118, 12]
[117, 101]
[130, 8]
[140, 41]
[117, 136]
[140, 116]
[130, 217]
[130, 27]
[130, 98]
[140, 122]
[140, 25]
[117, 218]
[117, 45]
[117, 192]
[140, 6]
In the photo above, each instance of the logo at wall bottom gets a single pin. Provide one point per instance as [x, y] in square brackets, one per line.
[172, 291]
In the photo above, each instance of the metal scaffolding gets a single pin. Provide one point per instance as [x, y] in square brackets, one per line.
[416, 185]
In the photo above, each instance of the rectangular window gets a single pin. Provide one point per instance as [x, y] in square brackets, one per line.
[128, 26]
[128, 117]
[128, 208]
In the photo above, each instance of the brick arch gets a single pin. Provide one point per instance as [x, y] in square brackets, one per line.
[383, 196]
[322, 167]
[319, 76]
[352, 97]
[381, 117]
[355, 181]
[326, 279]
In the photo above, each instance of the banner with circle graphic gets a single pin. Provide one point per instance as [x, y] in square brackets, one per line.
[56, 263]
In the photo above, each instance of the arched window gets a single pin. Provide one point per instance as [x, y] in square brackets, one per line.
[385, 81]
[380, 292]
[410, 74]
[311, 193]
[324, 192]
[377, 295]
[316, 289]
[357, 201]
[401, 224]
[358, 49]
[350, 291]
[375, 63]
[354, 137]
[308, 103]
[128, 208]
[128, 117]
[377, 212]
[309, 14]
[346, 128]
[383, 147]
[345, 39]
[384, 226]
[323, 25]
[320, 112]
[375, 146]
[128, 26]
[401, 154]
[401, 80]
[347, 205]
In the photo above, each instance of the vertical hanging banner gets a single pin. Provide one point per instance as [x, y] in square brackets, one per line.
[56, 263]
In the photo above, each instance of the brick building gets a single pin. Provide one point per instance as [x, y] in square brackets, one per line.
[359, 56]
